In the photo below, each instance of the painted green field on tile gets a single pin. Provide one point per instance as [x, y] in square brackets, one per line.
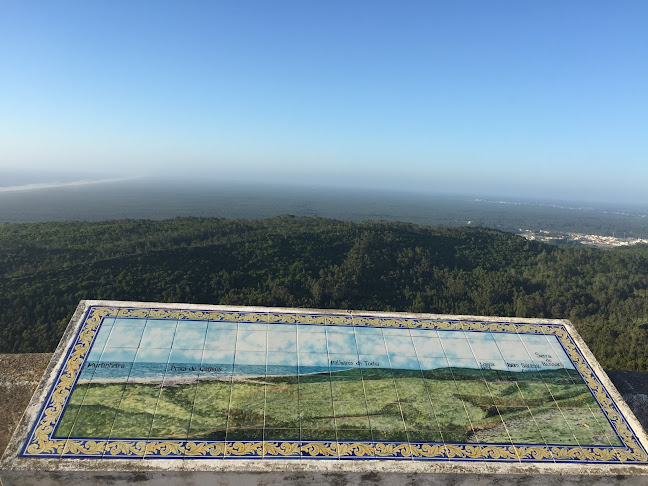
[452, 405]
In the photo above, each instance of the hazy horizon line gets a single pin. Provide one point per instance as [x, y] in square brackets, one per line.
[579, 203]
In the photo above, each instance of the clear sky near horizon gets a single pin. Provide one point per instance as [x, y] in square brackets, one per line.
[525, 98]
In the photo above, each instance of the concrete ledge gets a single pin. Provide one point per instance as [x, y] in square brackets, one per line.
[374, 477]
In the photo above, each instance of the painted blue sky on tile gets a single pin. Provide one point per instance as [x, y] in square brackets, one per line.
[173, 347]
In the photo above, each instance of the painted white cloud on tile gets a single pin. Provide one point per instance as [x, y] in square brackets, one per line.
[189, 338]
[311, 342]
[341, 343]
[282, 342]
[157, 337]
[427, 347]
[251, 340]
[371, 344]
[400, 346]
[456, 348]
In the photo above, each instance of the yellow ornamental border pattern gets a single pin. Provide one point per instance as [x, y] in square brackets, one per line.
[126, 448]
[204, 449]
[281, 449]
[41, 443]
[75, 447]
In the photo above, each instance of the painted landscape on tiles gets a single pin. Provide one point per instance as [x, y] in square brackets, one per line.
[252, 381]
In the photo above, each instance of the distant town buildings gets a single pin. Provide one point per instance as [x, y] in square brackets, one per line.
[579, 238]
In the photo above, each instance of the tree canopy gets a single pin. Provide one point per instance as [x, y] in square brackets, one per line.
[46, 268]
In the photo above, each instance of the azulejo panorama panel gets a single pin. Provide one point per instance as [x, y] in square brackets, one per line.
[179, 383]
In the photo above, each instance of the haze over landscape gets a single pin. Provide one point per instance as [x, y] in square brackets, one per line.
[540, 100]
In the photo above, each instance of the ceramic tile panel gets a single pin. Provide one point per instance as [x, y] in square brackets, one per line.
[272, 384]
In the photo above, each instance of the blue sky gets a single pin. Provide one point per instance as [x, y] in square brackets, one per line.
[542, 97]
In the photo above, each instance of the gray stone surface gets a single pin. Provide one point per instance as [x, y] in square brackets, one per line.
[335, 478]
[19, 376]
[633, 387]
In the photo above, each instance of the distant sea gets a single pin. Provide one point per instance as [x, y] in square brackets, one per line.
[156, 372]
[86, 200]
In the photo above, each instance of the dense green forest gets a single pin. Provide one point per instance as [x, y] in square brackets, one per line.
[46, 268]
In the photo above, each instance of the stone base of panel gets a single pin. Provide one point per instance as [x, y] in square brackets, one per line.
[376, 473]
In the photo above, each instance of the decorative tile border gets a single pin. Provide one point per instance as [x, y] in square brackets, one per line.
[41, 443]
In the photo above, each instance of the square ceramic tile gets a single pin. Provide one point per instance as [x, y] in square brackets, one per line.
[97, 412]
[371, 343]
[220, 338]
[400, 346]
[428, 347]
[125, 337]
[282, 342]
[341, 343]
[311, 342]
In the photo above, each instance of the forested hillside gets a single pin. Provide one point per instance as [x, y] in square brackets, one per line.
[46, 268]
